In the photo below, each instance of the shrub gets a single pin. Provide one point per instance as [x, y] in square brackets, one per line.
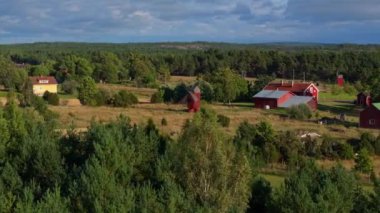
[87, 91]
[345, 151]
[300, 112]
[164, 122]
[363, 162]
[224, 120]
[51, 98]
[335, 90]
[157, 97]
[124, 99]
[39, 104]
[206, 90]
[104, 97]
[349, 89]
[180, 91]
[168, 94]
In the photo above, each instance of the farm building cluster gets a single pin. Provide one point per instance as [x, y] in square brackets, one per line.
[274, 95]
[287, 94]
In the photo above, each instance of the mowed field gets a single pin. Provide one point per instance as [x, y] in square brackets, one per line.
[176, 116]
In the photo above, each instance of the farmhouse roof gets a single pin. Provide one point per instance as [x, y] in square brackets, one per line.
[376, 105]
[196, 89]
[288, 86]
[296, 100]
[270, 94]
[43, 80]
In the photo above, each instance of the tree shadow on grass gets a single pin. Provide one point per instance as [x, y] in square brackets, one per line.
[348, 109]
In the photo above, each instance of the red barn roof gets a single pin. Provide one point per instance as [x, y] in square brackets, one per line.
[292, 87]
[41, 80]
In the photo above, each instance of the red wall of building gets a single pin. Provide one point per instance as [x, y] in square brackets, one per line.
[340, 81]
[313, 104]
[194, 105]
[368, 114]
[262, 102]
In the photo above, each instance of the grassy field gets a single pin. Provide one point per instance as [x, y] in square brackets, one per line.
[275, 180]
[3, 93]
[328, 96]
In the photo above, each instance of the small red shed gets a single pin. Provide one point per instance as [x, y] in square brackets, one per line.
[370, 117]
[363, 99]
[340, 80]
[194, 100]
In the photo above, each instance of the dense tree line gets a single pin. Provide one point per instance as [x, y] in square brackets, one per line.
[124, 167]
[145, 63]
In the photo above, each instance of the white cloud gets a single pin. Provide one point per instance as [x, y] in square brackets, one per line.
[228, 20]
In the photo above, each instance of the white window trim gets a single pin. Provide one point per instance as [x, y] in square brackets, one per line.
[372, 122]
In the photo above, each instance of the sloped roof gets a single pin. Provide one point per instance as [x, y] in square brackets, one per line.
[295, 87]
[43, 80]
[270, 94]
[376, 105]
[196, 89]
[296, 100]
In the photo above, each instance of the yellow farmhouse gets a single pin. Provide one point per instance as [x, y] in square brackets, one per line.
[41, 84]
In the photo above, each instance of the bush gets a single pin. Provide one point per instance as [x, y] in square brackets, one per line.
[168, 94]
[300, 112]
[180, 91]
[87, 91]
[345, 151]
[206, 90]
[157, 97]
[224, 120]
[124, 99]
[336, 90]
[51, 98]
[349, 89]
[104, 97]
[164, 122]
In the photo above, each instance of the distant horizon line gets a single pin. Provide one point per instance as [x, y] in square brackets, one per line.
[193, 42]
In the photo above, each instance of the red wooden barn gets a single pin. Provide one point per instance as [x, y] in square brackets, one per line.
[363, 99]
[285, 99]
[370, 117]
[340, 80]
[300, 89]
[194, 100]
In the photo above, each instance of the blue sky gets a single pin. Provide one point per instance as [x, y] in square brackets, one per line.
[244, 21]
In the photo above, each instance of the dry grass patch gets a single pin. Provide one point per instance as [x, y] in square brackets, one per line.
[176, 116]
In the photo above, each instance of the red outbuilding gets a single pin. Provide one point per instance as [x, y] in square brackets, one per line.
[297, 88]
[370, 117]
[340, 80]
[363, 99]
[194, 100]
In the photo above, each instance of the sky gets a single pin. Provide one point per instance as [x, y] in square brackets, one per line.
[240, 21]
